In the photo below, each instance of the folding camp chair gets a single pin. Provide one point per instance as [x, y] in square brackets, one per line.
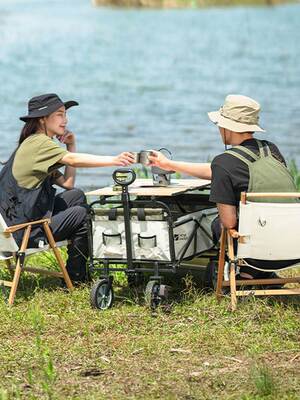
[9, 250]
[267, 231]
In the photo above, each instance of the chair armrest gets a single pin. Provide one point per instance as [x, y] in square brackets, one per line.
[236, 235]
[233, 233]
[14, 228]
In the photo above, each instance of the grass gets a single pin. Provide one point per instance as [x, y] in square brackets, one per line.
[54, 346]
[292, 166]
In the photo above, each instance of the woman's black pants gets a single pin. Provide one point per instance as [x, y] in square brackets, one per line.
[69, 222]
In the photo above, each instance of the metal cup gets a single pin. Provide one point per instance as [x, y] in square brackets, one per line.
[143, 157]
[136, 157]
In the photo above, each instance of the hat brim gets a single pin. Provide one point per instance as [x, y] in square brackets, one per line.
[49, 110]
[234, 126]
[70, 103]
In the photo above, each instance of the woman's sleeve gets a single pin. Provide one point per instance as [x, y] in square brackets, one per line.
[49, 154]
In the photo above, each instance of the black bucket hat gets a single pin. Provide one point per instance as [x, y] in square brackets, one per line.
[41, 106]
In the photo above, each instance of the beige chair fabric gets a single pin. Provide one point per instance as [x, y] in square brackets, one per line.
[7, 242]
[267, 231]
[10, 251]
[271, 231]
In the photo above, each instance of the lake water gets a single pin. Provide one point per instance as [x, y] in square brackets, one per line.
[146, 78]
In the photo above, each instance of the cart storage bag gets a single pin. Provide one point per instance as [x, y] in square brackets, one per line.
[150, 234]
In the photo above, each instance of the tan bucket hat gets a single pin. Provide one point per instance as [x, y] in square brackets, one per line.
[238, 114]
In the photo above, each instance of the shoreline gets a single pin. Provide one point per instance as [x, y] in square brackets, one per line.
[177, 4]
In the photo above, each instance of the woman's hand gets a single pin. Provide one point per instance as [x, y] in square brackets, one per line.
[158, 159]
[68, 138]
[123, 159]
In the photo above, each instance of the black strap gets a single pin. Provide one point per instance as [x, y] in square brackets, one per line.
[266, 148]
[112, 214]
[141, 214]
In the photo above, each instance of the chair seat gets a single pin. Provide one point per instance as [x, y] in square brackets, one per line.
[45, 247]
[266, 265]
[7, 255]
[14, 255]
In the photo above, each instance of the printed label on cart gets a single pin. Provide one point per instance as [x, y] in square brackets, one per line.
[180, 236]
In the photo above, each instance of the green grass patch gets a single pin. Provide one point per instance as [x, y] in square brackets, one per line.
[54, 346]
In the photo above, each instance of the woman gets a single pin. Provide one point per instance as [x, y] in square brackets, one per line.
[26, 180]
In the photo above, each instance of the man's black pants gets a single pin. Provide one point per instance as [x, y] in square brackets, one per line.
[69, 222]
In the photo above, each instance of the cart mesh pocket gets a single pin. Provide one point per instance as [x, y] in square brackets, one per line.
[147, 242]
[110, 239]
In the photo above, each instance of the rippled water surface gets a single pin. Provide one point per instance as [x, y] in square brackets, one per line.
[146, 78]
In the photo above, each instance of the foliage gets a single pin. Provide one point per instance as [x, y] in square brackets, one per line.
[142, 172]
[295, 173]
[263, 380]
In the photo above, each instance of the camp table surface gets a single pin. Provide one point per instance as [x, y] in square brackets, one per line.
[145, 187]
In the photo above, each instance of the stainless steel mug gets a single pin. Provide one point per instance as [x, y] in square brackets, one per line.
[143, 157]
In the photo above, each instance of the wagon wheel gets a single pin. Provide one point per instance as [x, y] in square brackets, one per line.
[152, 297]
[211, 276]
[102, 294]
[156, 294]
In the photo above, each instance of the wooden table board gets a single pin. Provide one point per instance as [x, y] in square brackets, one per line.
[144, 187]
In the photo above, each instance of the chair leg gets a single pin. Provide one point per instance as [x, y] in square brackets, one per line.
[232, 272]
[19, 265]
[233, 287]
[221, 263]
[58, 256]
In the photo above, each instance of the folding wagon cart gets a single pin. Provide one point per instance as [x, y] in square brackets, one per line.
[141, 229]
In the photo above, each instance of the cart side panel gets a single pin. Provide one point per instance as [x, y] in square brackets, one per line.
[202, 240]
[109, 239]
[150, 237]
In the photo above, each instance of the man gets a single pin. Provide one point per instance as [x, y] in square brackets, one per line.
[235, 170]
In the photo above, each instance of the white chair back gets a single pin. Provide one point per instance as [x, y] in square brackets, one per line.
[7, 241]
[271, 230]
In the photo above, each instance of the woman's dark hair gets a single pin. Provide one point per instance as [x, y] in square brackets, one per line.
[30, 128]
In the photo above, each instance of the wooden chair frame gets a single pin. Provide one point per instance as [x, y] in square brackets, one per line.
[21, 254]
[226, 242]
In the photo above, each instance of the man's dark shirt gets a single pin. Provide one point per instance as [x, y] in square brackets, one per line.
[230, 175]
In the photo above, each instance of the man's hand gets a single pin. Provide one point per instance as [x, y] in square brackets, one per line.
[158, 159]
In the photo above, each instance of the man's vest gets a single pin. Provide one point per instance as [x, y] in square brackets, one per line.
[19, 205]
[266, 173]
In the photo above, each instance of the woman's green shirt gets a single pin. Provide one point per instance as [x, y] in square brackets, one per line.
[36, 158]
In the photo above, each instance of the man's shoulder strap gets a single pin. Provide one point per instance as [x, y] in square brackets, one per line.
[248, 156]
[264, 149]
[243, 154]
